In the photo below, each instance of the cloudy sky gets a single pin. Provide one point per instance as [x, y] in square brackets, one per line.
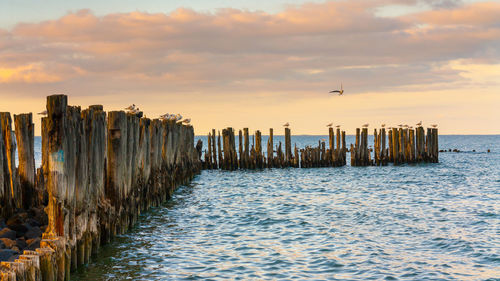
[260, 63]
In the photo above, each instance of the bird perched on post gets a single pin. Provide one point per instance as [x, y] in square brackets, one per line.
[286, 125]
[329, 125]
[434, 125]
[419, 123]
[132, 107]
[178, 117]
[365, 125]
[338, 126]
[383, 125]
[400, 126]
[44, 113]
[341, 91]
[186, 121]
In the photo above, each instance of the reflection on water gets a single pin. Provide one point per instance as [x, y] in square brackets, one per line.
[432, 221]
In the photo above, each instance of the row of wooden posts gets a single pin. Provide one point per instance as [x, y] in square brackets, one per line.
[399, 146]
[99, 172]
[405, 146]
[224, 155]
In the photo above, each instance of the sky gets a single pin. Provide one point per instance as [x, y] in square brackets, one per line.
[259, 64]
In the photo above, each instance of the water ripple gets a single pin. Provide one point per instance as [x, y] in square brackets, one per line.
[421, 222]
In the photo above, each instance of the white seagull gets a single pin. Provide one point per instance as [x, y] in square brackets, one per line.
[341, 91]
[286, 124]
[43, 113]
[132, 107]
[186, 121]
[329, 125]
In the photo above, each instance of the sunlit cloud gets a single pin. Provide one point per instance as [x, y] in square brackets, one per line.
[271, 58]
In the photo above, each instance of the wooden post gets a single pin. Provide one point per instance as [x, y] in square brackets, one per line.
[247, 148]
[25, 137]
[288, 147]
[11, 194]
[214, 151]
[391, 149]
[270, 148]
[240, 149]
[384, 148]
[344, 149]
[357, 147]
[258, 149]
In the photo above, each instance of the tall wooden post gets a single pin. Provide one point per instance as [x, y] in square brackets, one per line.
[270, 148]
[288, 147]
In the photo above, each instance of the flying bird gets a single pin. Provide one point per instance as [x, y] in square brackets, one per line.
[43, 112]
[419, 123]
[365, 125]
[286, 124]
[341, 91]
[329, 125]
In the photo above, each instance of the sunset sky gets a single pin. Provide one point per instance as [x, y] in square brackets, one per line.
[259, 64]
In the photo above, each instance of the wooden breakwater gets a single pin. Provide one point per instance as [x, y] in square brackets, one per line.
[397, 146]
[250, 155]
[99, 172]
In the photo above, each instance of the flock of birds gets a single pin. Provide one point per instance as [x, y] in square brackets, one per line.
[167, 116]
[132, 109]
[330, 125]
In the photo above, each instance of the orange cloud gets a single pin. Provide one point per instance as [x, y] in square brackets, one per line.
[244, 55]
[32, 73]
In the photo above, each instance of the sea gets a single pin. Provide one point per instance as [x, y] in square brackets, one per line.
[410, 222]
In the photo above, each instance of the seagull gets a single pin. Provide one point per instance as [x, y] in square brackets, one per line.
[400, 126]
[338, 126]
[329, 125]
[178, 117]
[365, 125]
[383, 125]
[172, 117]
[132, 107]
[323, 139]
[406, 126]
[419, 123]
[434, 126]
[341, 91]
[43, 113]
[286, 124]
[186, 121]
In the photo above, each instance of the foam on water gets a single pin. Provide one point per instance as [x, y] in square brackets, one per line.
[429, 221]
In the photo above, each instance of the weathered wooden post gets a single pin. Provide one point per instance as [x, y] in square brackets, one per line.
[288, 147]
[258, 149]
[214, 151]
[240, 149]
[384, 148]
[270, 148]
[10, 194]
[220, 151]
[247, 148]
[25, 136]
[391, 149]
